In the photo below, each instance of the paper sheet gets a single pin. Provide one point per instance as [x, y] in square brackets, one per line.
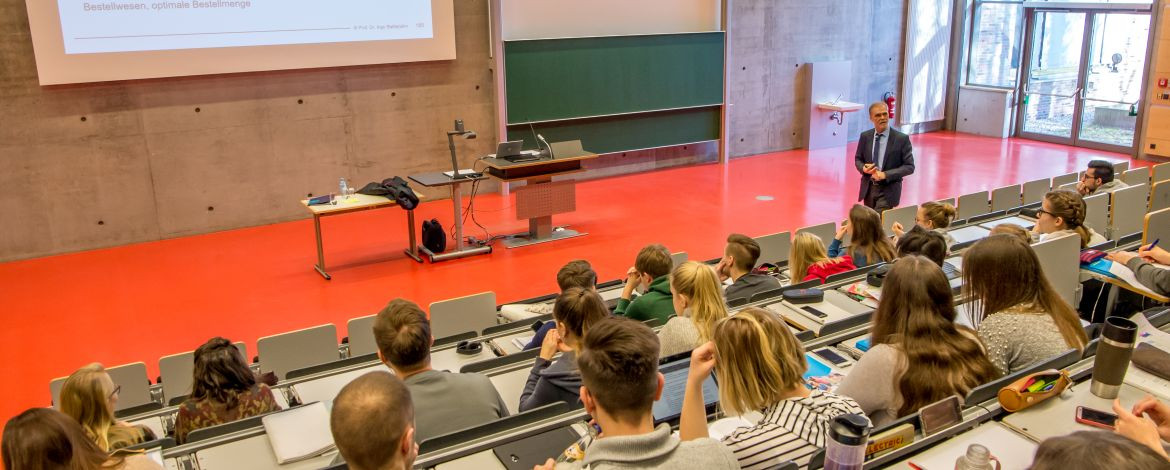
[299, 433]
[1123, 273]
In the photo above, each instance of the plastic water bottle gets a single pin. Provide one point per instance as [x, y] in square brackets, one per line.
[342, 189]
[845, 448]
[977, 458]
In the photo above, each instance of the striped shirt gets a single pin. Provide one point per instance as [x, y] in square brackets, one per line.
[791, 430]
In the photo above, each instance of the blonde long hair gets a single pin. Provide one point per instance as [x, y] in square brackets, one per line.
[699, 283]
[85, 397]
[759, 360]
[807, 250]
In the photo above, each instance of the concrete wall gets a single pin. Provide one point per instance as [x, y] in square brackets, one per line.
[98, 165]
[770, 42]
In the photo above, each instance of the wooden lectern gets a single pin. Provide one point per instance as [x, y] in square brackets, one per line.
[541, 197]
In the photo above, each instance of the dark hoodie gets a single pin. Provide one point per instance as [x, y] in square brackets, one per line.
[550, 382]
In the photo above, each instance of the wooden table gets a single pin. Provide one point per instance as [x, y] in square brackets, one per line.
[355, 203]
[540, 198]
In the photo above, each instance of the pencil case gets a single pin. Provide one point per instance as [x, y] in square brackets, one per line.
[1032, 389]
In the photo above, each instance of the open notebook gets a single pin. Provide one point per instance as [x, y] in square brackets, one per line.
[299, 433]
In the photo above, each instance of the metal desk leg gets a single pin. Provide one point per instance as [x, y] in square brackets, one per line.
[320, 267]
[412, 249]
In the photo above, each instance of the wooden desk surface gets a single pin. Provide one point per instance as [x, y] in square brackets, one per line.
[501, 164]
[357, 202]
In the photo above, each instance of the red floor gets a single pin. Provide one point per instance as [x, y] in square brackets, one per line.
[144, 301]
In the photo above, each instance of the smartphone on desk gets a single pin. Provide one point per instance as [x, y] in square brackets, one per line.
[833, 356]
[1096, 418]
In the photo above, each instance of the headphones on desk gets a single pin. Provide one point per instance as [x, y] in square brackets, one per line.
[468, 348]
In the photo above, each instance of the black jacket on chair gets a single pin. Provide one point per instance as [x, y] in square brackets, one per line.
[898, 164]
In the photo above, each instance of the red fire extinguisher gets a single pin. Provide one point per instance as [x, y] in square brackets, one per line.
[891, 102]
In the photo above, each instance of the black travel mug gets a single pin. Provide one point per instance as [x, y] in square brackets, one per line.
[1113, 353]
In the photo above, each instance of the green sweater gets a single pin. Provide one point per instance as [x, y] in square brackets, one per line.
[655, 303]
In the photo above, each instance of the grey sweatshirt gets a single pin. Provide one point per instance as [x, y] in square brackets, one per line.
[1153, 277]
[658, 449]
[550, 382]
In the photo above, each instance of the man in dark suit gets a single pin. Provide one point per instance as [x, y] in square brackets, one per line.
[881, 178]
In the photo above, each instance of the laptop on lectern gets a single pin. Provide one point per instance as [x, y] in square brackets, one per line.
[509, 150]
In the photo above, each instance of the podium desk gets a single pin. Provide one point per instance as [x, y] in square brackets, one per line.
[355, 203]
[540, 198]
[435, 179]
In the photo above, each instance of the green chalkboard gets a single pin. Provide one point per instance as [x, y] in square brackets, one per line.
[627, 132]
[555, 79]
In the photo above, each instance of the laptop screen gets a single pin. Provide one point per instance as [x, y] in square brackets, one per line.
[669, 407]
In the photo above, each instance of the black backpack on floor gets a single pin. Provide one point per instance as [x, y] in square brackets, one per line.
[433, 236]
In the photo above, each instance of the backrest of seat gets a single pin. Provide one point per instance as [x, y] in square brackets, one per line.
[1058, 181]
[1060, 261]
[1097, 213]
[774, 248]
[131, 377]
[1156, 226]
[971, 205]
[1161, 172]
[296, 349]
[1006, 198]
[1128, 210]
[678, 258]
[1136, 176]
[1034, 190]
[1120, 167]
[1160, 196]
[823, 231]
[904, 215]
[1068, 187]
[360, 331]
[470, 312]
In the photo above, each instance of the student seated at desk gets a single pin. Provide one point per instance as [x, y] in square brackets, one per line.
[1095, 450]
[739, 258]
[1013, 230]
[1153, 432]
[933, 216]
[223, 390]
[619, 368]
[576, 273]
[698, 305]
[89, 396]
[808, 260]
[572, 274]
[444, 401]
[759, 366]
[372, 422]
[575, 311]
[1155, 278]
[1020, 317]
[650, 274]
[43, 438]
[1062, 214]
[1099, 179]
[868, 241]
[919, 241]
[919, 355]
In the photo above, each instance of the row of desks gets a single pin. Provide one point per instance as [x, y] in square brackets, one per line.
[508, 379]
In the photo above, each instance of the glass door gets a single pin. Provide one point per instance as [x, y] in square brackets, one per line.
[1083, 77]
[1052, 82]
[1113, 79]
